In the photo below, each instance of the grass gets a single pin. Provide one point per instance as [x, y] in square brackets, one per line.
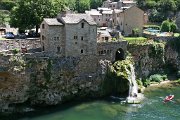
[176, 34]
[3, 38]
[135, 39]
[152, 26]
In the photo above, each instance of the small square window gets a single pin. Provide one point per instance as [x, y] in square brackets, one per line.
[82, 25]
[43, 37]
[57, 38]
[43, 26]
[75, 37]
[82, 51]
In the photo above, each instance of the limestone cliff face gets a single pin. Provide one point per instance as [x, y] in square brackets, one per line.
[14, 83]
[43, 80]
[49, 81]
[153, 58]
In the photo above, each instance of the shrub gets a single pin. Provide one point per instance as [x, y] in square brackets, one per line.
[157, 78]
[139, 82]
[135, 32]
[146, 82]
[7, 5]
[173, 27]
[15, 51]
[165, 26]
[178, 74]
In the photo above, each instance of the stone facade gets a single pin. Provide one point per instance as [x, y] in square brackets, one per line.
[124, 19]
[107, 50]
[133, 18]
[117, 5]
[69, 35]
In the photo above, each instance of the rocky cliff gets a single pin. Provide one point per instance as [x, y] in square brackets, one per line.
[153, 57]
[42, 80]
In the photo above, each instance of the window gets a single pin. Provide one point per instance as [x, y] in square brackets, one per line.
[58, 49]
[82, 38]
[43, 37]
[43, 26]
[106, 38]
[82, 25]
[75, 42]
[57, 38]
[99, 19]
[75, 37]
[82, 51]
[43, 47]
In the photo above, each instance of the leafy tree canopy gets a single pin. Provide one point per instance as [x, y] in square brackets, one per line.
[30, 13]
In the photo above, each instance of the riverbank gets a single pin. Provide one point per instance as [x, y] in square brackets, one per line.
[152, 108]
[166, 84]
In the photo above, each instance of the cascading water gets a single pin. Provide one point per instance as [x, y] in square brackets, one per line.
[133, 96]
[133, 87]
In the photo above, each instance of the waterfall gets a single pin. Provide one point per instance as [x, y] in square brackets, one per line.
[133, 87]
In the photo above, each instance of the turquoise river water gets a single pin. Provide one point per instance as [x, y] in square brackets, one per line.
[151, 108]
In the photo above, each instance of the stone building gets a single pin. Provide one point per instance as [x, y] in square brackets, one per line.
[124, 20]
[133, 18]
[69, 35]
[118, 5]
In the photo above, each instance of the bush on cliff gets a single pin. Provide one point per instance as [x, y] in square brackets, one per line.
[157, 78]
[116, 81]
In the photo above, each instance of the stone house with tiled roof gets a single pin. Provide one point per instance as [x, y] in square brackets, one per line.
[125, 20]
[69, 35]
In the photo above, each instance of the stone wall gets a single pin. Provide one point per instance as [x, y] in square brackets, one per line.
[147, 58]
[153, 58]
[44, 80]
[107, 50]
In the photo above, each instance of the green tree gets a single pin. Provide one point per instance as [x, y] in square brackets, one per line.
[165, 26]
[30, 13]
[82, 5]
[95, 3]
[135, 32]
[167, 5]
[173, 27]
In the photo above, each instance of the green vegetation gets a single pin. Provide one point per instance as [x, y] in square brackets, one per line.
[168, 26]
[47, 72]
[7, 4]
[4, 17]
[152, 26]
[135, 39]
[156, 50]
[135, 32]
[116, 80]
[15, 51]
[156, 78]
[160, 9]
[176, 35]
[28, 14]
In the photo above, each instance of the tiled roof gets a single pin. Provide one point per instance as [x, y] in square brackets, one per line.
[52, 21]
[93, 12]
[76, 18]
[128, 2]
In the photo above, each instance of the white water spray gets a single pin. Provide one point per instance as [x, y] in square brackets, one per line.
[133, 87]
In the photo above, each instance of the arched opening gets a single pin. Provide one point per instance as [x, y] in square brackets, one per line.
[120, 55]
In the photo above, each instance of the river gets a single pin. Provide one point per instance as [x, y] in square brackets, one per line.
[151, 108]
